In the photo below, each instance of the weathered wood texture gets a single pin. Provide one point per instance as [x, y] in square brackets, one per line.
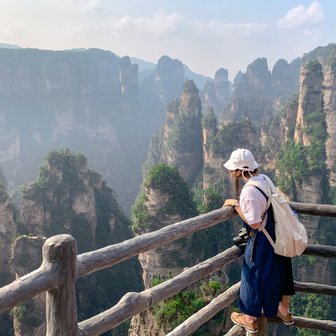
[60, 252]
[216, 305]
[304, 322]
[236, 331]
[135, 303]
[191, 324]
[27, 287]
[262, 329]
[93, 261]
[314, 288]
[321, 251]
[314, 209]
[46, 277]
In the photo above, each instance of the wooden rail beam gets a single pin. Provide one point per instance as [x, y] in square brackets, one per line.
[44, 278]
[191, 324]
[105, 257]
[314, 288]
[236, 331]
[320, 251]
[216, 305]
[309, 323]
[27, 287]
[135, 303]
[324, 210]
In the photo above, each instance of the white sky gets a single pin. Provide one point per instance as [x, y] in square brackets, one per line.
[205, 35]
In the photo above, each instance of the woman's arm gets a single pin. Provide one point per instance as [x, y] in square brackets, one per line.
[235, 204]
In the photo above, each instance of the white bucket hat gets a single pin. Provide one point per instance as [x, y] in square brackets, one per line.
[241, 159]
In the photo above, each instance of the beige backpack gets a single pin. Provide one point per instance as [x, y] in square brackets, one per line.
[291, 235]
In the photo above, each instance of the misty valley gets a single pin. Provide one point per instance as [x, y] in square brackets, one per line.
[106, 148]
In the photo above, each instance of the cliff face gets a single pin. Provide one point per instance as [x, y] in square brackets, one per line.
[68, 197]
[306, 153]
[219, 142]
[75, 99]
[285, 77]
[310, 99]
[165, 200]
[216, 93]
[168, 78]
[89, 101]
[169, 260]
[183, 137]
[329, 106]
[63, 195]
[179, 141]
[259, 94]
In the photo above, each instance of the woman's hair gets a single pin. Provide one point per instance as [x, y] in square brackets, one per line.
[237, 186]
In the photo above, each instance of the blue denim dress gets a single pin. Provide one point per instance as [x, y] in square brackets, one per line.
[265, 276]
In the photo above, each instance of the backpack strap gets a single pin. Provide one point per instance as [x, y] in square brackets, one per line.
[267, 193]
[260, 187]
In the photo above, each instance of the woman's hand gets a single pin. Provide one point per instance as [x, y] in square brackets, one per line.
[235, 204]
[230, 202]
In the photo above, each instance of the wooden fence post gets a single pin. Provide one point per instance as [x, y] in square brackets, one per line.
[262, 326]
[60, 254]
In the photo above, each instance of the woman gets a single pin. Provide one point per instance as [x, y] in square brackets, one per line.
[266, 278]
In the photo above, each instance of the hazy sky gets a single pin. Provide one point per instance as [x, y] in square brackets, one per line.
[205, 35]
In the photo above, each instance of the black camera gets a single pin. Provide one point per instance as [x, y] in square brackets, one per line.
[242, 237]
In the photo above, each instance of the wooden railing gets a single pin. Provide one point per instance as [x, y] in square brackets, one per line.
[61, 267]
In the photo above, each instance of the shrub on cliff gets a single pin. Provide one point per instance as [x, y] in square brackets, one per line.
[168, 181]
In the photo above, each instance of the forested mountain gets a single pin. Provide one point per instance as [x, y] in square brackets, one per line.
[288, 120]
[99, 104]
[158, 134]
[89, 101]
[66, 197]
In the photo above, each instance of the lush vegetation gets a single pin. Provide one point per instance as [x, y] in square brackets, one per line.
[64, 181]
[167, 180]
[229, 136]
[185, 129]
[313, 66]
[27, 315]
[297, 161]
[185, 134]
[174, 106]
[314, 306]
[64, 161]
[209, 120]
[173, 311]
[140, 214]
[291, 164]
[207, 199]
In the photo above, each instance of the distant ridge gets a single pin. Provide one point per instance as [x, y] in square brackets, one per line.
[143, 65]
[199, 79]
[9, 46]
[146, 68]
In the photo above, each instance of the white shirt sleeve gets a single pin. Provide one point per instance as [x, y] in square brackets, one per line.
[253, 204]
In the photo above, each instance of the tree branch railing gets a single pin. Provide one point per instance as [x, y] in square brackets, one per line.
[46, 276]
[225, 299]
[108, 256]
[135, 303]
[61, 267]
[323, 210]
